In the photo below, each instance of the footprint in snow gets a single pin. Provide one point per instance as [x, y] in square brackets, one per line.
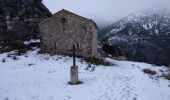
[134, 98]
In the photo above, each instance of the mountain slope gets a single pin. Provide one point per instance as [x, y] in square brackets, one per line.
[145, 35]
[19, 18]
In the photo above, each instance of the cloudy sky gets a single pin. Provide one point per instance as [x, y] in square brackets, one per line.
[104, 9]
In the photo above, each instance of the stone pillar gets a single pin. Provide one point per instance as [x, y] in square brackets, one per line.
[74, 75]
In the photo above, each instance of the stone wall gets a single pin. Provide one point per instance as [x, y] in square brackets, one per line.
[64, 29]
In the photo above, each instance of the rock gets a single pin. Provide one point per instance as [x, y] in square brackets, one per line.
[19, 18]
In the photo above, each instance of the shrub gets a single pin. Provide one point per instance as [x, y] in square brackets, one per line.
[35, 44]
[149, 71]
[112, 49]
[97, 61]
[157, 62]
[17, 45]
[138, 56]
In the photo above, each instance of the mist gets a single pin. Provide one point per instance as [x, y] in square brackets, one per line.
[104, 10]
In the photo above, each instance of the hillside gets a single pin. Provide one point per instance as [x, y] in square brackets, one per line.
[34, 76]
[144, 35]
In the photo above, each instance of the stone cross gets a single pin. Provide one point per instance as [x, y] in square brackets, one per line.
[74, 71]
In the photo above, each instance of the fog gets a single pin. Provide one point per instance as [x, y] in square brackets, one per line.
[108, 10]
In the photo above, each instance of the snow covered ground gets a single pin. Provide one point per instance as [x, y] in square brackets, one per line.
[34, 76]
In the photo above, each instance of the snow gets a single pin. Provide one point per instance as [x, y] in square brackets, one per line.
[115, 39]
[157, 32]
[114, 31]
[130, 32]
[43, 77]
[145, 27]
[32, 41]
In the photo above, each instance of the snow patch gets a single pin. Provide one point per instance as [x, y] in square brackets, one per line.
[32, 41]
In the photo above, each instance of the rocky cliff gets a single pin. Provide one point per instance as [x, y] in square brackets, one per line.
[19, 18]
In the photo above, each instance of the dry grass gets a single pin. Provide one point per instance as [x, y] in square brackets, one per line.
[168, 76]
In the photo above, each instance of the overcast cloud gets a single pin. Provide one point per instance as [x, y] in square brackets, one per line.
[106, 9]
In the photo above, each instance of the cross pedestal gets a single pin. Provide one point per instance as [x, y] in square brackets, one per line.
[74, 75]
